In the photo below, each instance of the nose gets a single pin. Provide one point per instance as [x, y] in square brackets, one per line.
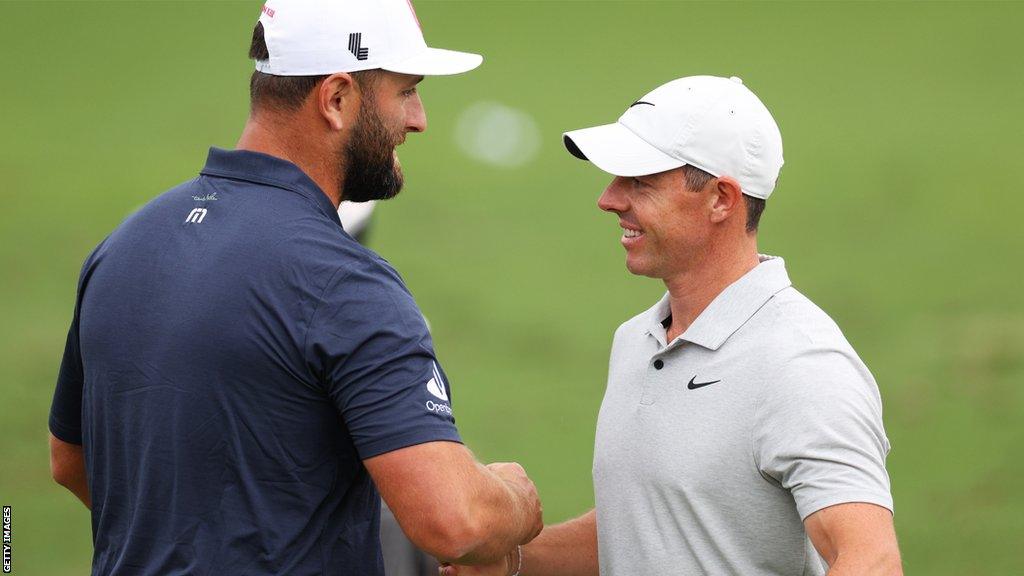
[613, 199]
[416, 115]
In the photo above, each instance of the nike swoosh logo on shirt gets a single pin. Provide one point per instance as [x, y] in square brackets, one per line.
[694, 385]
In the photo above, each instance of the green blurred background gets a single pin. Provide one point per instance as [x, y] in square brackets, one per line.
[897, 212]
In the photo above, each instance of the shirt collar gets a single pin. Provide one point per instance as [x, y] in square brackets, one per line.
[730, 309]
[268, 170]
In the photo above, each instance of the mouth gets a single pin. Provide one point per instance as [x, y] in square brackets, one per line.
[630, 235]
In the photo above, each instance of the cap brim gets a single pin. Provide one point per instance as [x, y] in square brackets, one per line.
[436, 62]
[618, 151]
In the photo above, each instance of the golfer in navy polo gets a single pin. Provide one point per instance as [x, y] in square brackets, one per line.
[240, 376]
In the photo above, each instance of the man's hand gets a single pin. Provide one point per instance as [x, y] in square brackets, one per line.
[566, 549]
[527, 500]
[453, 507]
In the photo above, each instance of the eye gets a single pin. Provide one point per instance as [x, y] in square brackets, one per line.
[409, 92]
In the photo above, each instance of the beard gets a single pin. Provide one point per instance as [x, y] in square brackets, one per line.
[371, 172]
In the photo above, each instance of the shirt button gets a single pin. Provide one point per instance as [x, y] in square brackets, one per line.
[658, 364]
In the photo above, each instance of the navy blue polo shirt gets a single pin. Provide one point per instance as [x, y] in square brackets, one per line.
[234, 357]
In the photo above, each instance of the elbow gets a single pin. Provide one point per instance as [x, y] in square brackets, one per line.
[59, 473]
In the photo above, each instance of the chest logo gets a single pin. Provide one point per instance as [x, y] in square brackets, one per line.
[196, 216]
[694, 385]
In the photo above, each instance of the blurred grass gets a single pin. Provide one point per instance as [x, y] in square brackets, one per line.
[896, 212]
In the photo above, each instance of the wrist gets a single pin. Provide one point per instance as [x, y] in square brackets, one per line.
[514, 560]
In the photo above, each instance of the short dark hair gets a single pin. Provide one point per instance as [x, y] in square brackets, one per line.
[755, 207]
[696, 179]
[287, 92]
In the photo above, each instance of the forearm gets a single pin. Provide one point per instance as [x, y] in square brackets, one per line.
[452, 507]
[501, 519]
[567, 549]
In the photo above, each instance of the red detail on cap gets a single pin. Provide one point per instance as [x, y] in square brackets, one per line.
[268, 11]
[414, 16]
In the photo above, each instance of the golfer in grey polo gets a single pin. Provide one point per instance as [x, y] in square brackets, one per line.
[739, 433]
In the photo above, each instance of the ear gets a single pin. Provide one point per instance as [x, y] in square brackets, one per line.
[727, 199]
[336, 99]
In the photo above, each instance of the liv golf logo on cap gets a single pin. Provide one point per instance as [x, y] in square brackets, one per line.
[355, 41]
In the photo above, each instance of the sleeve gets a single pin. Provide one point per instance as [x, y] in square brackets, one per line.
[818, 432]
[370, 348]
[66, 409]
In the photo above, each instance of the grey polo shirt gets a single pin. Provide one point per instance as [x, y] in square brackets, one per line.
[712, 449]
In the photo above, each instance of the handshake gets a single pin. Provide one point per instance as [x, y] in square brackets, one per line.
[472, 517]
[500, 559]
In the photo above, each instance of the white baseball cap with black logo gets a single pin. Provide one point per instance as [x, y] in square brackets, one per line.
[315, 37]
[715, 124]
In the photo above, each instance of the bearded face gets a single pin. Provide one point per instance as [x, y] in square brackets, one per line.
[371, 171]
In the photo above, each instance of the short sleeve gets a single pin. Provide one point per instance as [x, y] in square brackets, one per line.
[369, 346]
[819, 434]
[66, 408]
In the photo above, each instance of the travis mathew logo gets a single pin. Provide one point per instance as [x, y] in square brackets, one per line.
[268, 11]
[196, 216]
[355, 41]
[7, 539]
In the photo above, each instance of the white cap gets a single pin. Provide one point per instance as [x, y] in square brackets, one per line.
[715, 124]
[315, 37]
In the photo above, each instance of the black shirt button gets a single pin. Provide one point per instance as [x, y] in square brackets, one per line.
[658, 364]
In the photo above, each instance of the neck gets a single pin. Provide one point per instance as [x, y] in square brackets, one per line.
[692, 290]
[288, 140]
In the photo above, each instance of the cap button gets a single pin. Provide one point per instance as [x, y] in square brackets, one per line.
[736, 79]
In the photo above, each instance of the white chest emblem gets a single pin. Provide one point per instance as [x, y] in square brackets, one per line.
[196, 216]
